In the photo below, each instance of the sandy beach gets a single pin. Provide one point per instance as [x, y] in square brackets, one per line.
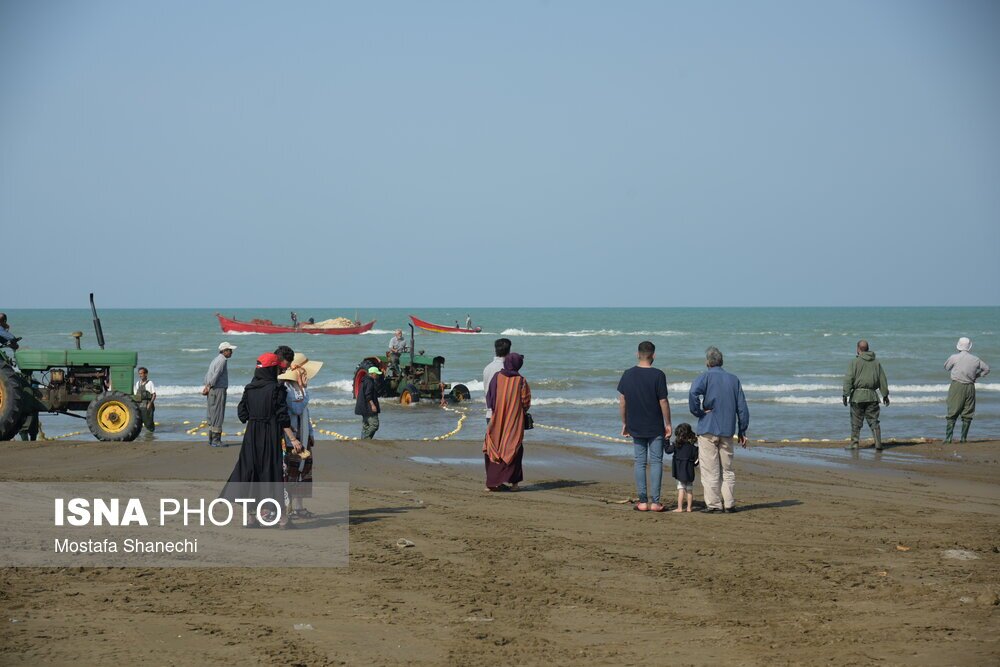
[830, 560]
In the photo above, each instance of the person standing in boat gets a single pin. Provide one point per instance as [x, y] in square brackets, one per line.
[468, 321]
[216, 386]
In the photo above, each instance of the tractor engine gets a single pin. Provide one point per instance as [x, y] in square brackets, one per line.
[65, 385]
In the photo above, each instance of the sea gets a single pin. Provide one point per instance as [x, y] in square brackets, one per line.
[791, 362]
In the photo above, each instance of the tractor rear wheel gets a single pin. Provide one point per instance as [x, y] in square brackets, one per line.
[114, 417]
[13, 408]
[410, 394]
[460, 393]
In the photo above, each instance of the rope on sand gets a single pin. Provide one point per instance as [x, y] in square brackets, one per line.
[585, 433]
[338, 436]
[462, 416]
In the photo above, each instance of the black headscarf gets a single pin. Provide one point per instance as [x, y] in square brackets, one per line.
[263, 377]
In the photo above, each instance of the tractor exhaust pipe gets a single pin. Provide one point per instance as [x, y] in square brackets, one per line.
[412, 348]
[97, 322]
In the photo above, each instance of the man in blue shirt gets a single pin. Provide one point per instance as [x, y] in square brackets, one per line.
[716, 399]
[645, 413]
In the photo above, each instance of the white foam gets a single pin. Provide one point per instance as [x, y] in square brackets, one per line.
[559, 400]
[791, 387]
[331, 401]
[194, 349]
[244, 333]
[472, 385]
[188, 390]
[819, 375]
[380, 332]
[340, 385]
[588, 332]
[833, 400]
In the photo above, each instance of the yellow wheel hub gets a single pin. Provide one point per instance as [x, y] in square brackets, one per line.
[113, 416]
[406, 398]
[1, 396]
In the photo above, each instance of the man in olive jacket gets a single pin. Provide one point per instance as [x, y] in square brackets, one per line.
[864, 377]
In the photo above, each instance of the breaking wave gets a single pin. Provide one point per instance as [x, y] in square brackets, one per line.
[588, 332]
[834, 400]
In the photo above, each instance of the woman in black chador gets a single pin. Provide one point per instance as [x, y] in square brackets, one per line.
[258, 473]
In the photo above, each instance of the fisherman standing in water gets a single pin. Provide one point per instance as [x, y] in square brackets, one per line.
[864, 377]
[965, 369]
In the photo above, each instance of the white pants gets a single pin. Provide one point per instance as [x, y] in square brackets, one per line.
[715, 458]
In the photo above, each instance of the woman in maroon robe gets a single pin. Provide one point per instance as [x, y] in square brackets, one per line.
[509, 397]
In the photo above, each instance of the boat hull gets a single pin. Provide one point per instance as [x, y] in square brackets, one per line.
[438, 328]
[230, 325]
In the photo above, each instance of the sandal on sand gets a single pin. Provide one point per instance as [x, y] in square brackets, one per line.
[641, 507]
[656, 507]
[496, 489]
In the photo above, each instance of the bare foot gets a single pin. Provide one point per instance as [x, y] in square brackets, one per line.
[678, 510]
[688, 509]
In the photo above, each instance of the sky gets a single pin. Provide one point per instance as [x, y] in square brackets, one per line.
[506, 154]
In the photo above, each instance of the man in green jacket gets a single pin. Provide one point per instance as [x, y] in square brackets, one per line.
[864, 377]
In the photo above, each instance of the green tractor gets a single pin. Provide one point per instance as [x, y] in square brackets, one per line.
[420, 378]
[97, 382]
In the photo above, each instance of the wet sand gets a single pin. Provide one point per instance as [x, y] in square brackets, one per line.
[811, 570]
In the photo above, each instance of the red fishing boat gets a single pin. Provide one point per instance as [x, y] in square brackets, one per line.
[231, 325]
[440, 328]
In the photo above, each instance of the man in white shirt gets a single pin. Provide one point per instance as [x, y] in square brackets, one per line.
[502, 348]
[965, 369]
[145, 396]
[397, 346]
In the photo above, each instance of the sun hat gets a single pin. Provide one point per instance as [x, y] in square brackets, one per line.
[226, 346]
[301, 364]
[374, 370]
[964, 344]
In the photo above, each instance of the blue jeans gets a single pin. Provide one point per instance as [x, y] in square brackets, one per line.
[654, 448]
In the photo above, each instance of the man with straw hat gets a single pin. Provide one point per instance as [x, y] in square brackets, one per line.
[965, 369]
[216, 386]
[367, 406]
[298, 465]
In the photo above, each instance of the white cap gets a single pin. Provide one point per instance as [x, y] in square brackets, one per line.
[964, 344]
[226, 346]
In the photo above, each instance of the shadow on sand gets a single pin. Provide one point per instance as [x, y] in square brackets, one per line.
[767, 506]
[553, 484]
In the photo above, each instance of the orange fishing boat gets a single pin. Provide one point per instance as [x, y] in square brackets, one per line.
[440, 328]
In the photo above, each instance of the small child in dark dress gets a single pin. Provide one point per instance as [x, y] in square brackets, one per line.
[685, 451]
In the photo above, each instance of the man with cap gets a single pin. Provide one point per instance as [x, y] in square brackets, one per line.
[216, 384]
[965, 369]
[367, 406]
[864, 379]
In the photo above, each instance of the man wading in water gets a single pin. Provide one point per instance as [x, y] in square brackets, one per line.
[145, 396]
[864, 377]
